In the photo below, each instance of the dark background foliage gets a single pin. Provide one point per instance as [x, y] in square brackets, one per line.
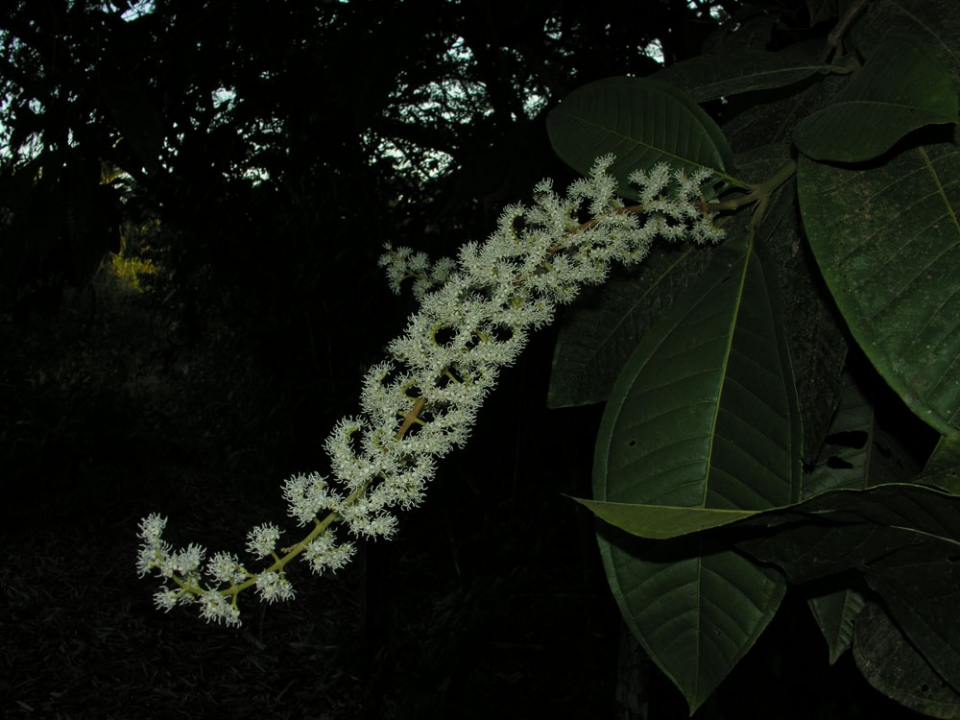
[259, 155]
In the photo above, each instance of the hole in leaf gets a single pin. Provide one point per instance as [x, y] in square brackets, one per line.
[838, 463]
[855, 439]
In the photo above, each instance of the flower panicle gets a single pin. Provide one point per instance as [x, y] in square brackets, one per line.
[475, 315]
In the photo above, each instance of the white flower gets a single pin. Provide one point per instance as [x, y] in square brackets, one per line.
[187, 561]
[274, 586]
[323, 554]
[151, 529]
[214, 606]
[262, 540]
[373, 526]
[308, 496]
[226, 568]
[165, 599]
[475, 315]
[152, 556]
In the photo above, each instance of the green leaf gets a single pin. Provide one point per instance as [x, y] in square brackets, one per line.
[920, 586]
[894, 667]
[857, 453]
[917, 510]
[943, 466]
[694, 607]
[772, 121]
[662, 522]
[704, 413]
[935, 22]
[900, 89]
[707, 77]
[887, 241]
[600, 331]
[905, 541]
[702, 416]
[835, 613]
[642, 122]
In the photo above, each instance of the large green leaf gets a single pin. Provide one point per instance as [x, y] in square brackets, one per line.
[887, 240]
[857, 453]
[904, 539]
[772, 117]
[893, 666]
[707, 77]
[642, 122]
[917, 510]
[920, 586]
[662, 522]
[696, 608]
[915, 574]
[900, 89]
[935, 22]
[704, 413]
[600, 332]
[703, 416]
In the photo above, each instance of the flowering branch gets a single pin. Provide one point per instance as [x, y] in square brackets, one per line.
[474, 318]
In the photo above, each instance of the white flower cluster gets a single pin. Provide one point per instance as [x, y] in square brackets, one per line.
[475, 317]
